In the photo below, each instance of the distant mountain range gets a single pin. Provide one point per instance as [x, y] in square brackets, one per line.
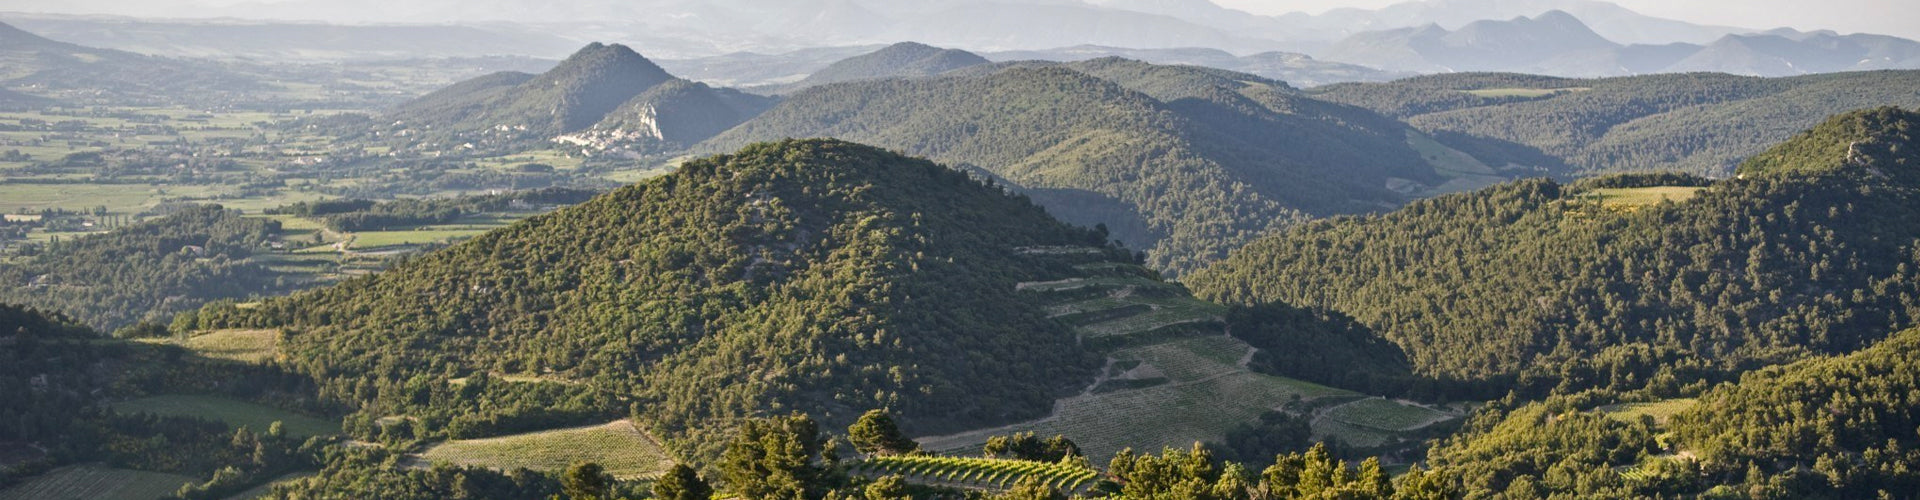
[286, 41]
[36, 65]
[774, 45]
[904, 59]
[1559, 43]
[1294, 68]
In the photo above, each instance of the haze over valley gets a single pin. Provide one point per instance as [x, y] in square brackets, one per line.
[958, 249]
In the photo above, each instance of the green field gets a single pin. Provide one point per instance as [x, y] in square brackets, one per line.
[251, 346]
[1386, 415]
[368, 240]
[622, 449]
[1638, 197]
[95, 482]
[1463, 171]
[550, 157]
[236, 413]
[118, 198]
[1659, 410]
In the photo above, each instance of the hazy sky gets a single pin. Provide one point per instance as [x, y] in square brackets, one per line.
[1892, 17]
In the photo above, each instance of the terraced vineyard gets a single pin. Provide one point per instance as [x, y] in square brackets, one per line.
[1173, 373]
[1174, 386]
[977, 473]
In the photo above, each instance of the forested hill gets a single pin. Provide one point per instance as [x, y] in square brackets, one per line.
[1704, 123]
[11, 101]
[78, 74]
[1602, 284]
[817, 275]
[148, 270]
[1183, 161]
[1838, 427]
[904, 59]
[608, 89]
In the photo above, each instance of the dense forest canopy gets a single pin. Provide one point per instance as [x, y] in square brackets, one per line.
[1704, 123]
[148, 270]
[815, 275]
[1829, 427]
[1555, 283]
[1182, 161]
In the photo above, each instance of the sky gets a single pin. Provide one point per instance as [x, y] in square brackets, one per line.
[1892, 17]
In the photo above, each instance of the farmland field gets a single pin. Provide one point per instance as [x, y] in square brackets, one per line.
[236, 413]
[1386, 415]
[251, 346]
[626, 452]
[95, 482]
[118, 198]
[1465, 172]
[366, 240]
[1636, 197]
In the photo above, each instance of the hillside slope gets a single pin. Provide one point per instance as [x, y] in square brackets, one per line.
[1185, 162]
[819, 276]
[72, 72]
[900, 60]
[14, 101]
[1831, 427]
[601, 97]
[1700, 123]
[148, 270]
[1546, 281]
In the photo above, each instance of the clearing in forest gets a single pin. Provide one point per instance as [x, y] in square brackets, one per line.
[249, 346]
[256, 417]
[1640, 197]
[621, 448]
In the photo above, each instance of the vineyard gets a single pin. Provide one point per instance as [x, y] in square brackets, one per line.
[977, 473]
[621, 448]
[95, 482]
[1175, 375]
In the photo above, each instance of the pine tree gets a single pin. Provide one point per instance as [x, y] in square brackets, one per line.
[875, 433]
[681, 483]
